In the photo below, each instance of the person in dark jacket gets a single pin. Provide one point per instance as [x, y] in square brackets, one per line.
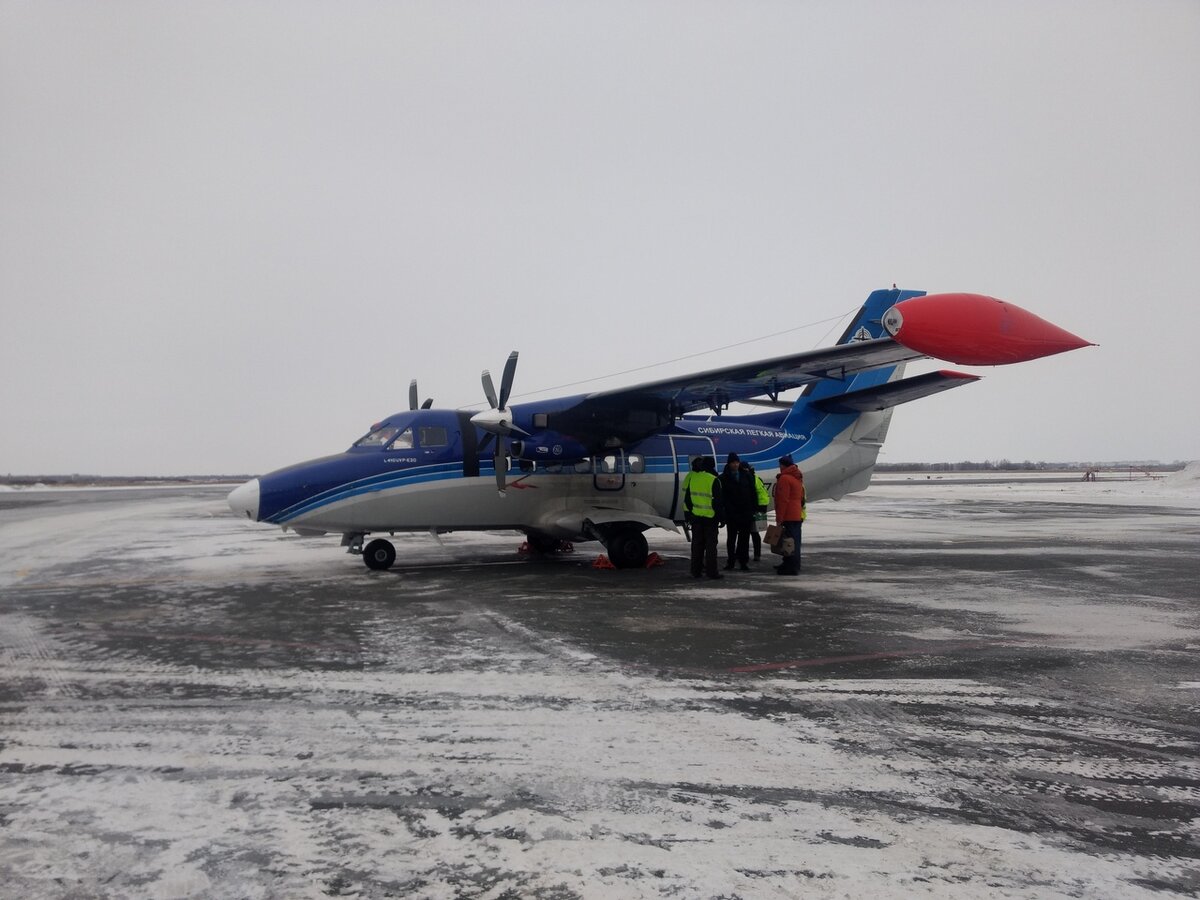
[737, 490]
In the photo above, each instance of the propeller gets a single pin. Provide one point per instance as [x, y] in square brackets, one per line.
[498, 420]
[412, 397]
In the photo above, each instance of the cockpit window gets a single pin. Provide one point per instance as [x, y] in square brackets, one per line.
[391, 436]
[378, 437]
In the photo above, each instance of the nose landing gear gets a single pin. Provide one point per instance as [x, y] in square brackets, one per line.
[379, 554]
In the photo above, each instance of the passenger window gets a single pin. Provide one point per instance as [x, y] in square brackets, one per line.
[610, 472]
[583, 466]
[636, 463]
[433, 436]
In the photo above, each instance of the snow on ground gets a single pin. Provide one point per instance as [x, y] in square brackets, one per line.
[459, 752]
[1180, 488]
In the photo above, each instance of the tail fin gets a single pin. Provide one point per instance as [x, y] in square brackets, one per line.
[868, 324]
[841, 425]
[811, 411]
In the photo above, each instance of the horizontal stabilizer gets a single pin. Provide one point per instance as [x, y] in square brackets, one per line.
[885, 396]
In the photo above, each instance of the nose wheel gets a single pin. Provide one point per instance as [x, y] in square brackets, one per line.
[379, 554]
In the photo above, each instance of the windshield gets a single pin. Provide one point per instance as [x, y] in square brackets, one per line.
[385, 435]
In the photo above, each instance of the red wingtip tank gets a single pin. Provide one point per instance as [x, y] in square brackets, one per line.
[974, 330]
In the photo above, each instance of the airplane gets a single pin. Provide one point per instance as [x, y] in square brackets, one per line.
[607, 465]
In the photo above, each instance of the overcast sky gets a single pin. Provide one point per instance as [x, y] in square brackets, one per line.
[231, 233]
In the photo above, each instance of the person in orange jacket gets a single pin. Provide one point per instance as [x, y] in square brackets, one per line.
[790, 511]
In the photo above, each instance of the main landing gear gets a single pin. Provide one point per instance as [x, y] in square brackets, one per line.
[627, 548]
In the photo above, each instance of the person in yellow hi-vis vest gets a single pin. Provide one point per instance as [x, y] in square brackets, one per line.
[762, 501]
[696, 466]
[702, 501]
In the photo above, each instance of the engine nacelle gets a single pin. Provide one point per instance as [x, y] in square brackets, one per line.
[548, 446]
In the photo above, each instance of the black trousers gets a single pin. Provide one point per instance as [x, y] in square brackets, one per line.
[737, 538]
[791, 564]
[704, 546]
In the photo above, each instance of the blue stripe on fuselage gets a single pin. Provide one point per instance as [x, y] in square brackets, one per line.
[304, 499]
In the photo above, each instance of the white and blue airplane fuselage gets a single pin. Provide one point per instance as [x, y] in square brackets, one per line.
[609, 466]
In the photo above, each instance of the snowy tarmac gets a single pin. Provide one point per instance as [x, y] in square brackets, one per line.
[985, 690]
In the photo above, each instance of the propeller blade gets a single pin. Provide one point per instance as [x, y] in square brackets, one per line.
[489, 390]
[499, 463]
[428, 403]
[412, 394]
[497, 420]
[487, 439]
[506, 380]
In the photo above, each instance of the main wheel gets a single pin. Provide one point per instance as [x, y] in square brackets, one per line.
[628, 550]
[543, 543]
[379, 554]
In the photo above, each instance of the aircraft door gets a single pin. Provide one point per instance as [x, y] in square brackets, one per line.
[685, 448]
[608, 472]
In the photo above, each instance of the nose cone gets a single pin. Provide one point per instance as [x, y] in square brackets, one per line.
[243, 499]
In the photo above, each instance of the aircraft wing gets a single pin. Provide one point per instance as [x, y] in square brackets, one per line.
[632, 413]
[968, 329]
[714, 389]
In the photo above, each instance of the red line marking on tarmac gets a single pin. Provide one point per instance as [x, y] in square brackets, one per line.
[226, 639]
[858, 657]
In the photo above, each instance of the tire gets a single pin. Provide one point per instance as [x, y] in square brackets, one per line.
[379, 554]
[543, 543]
[628, 550]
